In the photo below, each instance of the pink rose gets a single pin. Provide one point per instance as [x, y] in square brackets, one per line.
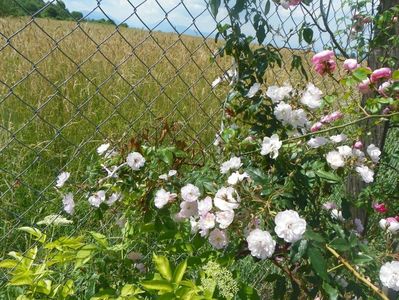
[322, 56]
[287, 3]
[350, 64]
[324, 62]
[380, 207]
[364, 86]
[358, 145]
[316, 127]
[380, 73]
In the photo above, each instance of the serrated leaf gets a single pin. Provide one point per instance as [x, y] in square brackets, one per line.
[314, 236]
[318, 263]
[340, 244]
[179, 272]
[328, 176]
[159, 285]
[303, 245]
[36, 233]
[8, 263]
[163, 266]
[68, 289]
[361, 74]
[100, 239]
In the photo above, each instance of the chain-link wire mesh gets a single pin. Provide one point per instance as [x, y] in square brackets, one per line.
[66, 86]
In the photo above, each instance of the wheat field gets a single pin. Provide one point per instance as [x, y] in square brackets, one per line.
[65, 88]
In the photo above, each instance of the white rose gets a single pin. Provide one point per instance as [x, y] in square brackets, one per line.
[261, 244]
[335, 159]
[374, 152]
[389, 275]
[271, 145]
[289, 226]
[135, 160]
[218, 238]
[190, 193]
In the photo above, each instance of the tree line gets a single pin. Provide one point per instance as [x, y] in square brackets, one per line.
[41, 9]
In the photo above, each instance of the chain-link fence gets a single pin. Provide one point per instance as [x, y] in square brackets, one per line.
[124, 69]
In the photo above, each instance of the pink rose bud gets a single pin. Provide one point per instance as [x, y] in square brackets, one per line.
[316, 127]
[386, 110]
[350, 64]
[364, 86]
[325, 119]
[380, 73]
[383, 88]
[358, 145]
[336, 115]
[380, 207]
[329, 205]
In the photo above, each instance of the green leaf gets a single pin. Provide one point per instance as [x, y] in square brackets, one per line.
[340, 244]
[8, 263]
[314, 236]
[308, 35]
[331, 291]
[39, 236]
[130, 290]
[362, 259]
[267, 7]
[303, 245]
[179, 272]
[214, 5]
[395, 75]
[100, 239]
[159, 285]
[68, 289]
[163, 266]
[361, 74]
[318, 262]
[328, 176]
[167, 156]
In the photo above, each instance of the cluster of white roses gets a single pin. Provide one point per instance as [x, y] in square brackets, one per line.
[210, 217]
[353, 156]
[134, 160]
[289, 226]
[284, 112]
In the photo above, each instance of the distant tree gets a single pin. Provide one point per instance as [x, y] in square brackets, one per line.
[77, 15]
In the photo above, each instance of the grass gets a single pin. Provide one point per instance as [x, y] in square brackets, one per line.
[64, 89]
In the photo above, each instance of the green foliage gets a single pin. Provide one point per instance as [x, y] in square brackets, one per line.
[39, 8]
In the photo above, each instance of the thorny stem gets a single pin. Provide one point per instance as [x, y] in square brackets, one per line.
[330, 129]
[341, 126]
[291, 276]
[357, 274]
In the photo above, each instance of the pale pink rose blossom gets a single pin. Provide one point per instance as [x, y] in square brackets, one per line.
[380, 74]
[350, 64]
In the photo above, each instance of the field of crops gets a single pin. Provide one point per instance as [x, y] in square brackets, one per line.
[65, 88]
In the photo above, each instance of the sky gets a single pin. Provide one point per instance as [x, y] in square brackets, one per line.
[152, 13]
